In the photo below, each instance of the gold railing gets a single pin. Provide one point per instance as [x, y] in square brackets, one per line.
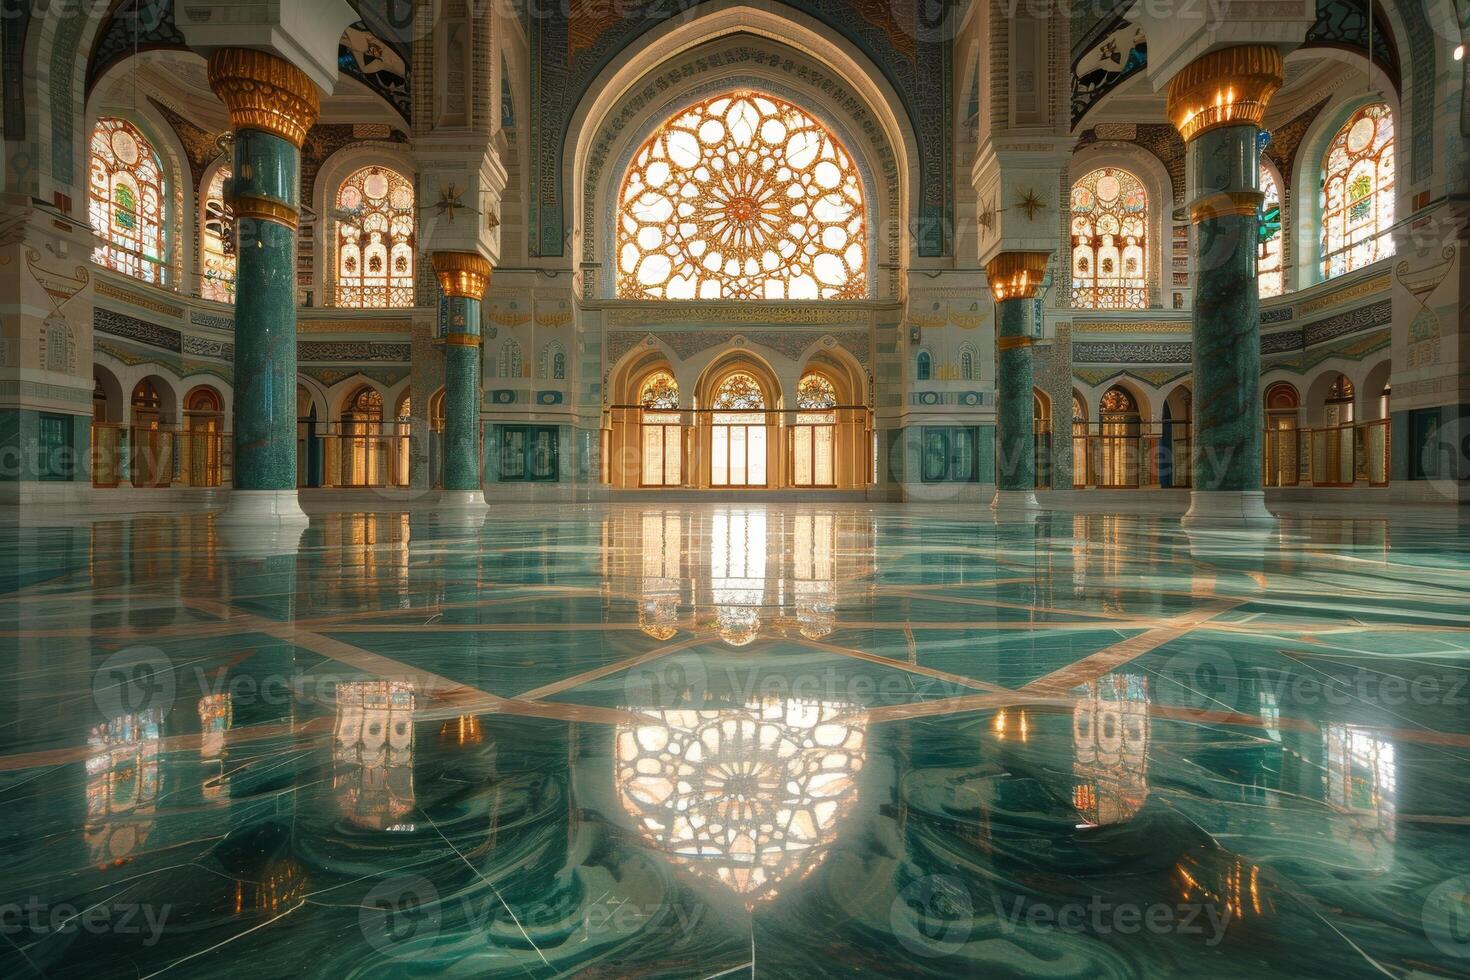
[159, 456]
[1331, 456]
[1114, 455]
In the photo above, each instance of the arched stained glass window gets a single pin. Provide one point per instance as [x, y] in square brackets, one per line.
[1109, 241]
[217, 247]
[923, 365]
[739, 393]
[1357, 192]
[1269, 279]
[816, 394]
[375, 239]
[660, 392]
[742, 196]
[126, 202]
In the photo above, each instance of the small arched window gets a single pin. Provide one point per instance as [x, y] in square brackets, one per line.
[1109, 241]
[375, 240]
[924, 365]
[967, 364]
[1269, 278]
[660, 392]
[126, 202]
[510, 360]
[739, 392]
[1357, 192]
[1117, 402]
[816, 394]
[217, 247]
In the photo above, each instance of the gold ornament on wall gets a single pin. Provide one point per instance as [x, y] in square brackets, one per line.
[1031, 203]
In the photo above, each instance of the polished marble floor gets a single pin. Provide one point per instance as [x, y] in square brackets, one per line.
[700, 741]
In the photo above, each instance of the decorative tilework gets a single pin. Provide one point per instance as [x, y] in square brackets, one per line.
[131, 328]
[200, 319]
[1350, 322]
[205, 347]
[351, 350]
[1127, 352]
[1280, 314]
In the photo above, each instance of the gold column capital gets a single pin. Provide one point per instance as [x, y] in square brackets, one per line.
[461, 274]
[1016, 275]
[264, 92]
[1229, 87]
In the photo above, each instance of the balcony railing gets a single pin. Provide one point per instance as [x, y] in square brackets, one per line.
[159, 456]
[1115, 455]
[1333, 456]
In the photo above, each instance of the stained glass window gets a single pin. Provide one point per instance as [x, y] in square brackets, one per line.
[742, 196]
[660, 391]
[815, 393]
[126, 202]
[1357, 192]
[1109, 241]
[739, 393]
[217, 281]
[738, 435]
[1269, 280]
[813, 436]
[375, 239]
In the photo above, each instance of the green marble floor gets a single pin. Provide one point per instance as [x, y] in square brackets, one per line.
[704, 741]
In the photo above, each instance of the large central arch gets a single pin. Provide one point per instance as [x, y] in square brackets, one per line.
[731, 46]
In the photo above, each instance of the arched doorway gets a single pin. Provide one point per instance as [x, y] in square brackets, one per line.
[814, 433]
[402, 440]
[436, 438]
[661, 435]
[1333, 452]
[364, 457]
[107, 441]
[203, 452]
[1081, 475]
[1282, 440]
[1175, 452]
[1119, 424]
[150, 444]
[739, 449]
[1041, 430]
[309, 453]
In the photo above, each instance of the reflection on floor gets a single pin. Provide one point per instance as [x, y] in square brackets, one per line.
[694, 741]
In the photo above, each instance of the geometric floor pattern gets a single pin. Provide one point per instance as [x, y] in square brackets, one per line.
[720, 740]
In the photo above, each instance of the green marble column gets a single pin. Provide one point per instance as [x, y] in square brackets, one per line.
[1015, 278]
[463, 277]
[1227, 320]
[266, 168]
[1015, 461]
[1217, 103]
[272, 104]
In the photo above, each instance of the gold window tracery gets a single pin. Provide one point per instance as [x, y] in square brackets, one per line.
[742, 196]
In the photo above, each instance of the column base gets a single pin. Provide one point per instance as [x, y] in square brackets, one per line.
[1227, 510]
[262, 508]
[456, 500]
[1015, 500]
